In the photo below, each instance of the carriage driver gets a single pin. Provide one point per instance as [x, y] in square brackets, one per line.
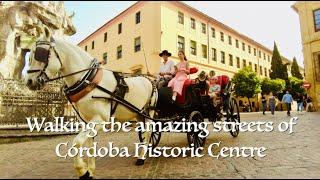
[166, 70]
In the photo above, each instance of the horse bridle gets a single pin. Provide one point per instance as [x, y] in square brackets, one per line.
[42, 55]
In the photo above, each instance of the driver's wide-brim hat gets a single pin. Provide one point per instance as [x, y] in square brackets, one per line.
[165, 52]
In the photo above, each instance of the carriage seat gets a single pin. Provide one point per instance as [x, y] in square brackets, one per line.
[181, 99]
[223, 81]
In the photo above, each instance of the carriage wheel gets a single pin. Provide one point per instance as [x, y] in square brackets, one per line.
[154, 140]
[193, 137]
[233, 115]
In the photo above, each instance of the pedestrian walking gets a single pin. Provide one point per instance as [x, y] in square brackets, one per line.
[300, 99]
[264, 104]
[272, 103]
[287, 99]
[310, 106]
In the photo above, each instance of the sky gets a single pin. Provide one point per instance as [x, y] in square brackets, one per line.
[263, 21]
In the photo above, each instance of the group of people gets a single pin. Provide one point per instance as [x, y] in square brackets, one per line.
[174, 76]
[271, 102]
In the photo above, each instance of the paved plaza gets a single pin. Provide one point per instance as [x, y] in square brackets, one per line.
[288, 156]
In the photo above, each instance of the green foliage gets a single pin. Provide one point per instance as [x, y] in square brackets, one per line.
[295, 86]
[295, 71]
[278, 70]
[272, 85]
[247, 83]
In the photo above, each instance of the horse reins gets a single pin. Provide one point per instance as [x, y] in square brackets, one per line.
[45, 59]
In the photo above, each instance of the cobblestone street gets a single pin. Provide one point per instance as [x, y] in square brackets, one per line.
[288, 156]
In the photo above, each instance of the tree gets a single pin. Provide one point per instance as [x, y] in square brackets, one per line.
[272, 85]
[296, 86]
[284, 75]
[295, 70]
[278, 69]
[246, 83]
[276, 63]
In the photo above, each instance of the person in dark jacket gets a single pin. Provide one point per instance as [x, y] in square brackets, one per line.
[264, 104]
[300, 99]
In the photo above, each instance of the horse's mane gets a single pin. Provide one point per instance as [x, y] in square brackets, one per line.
[70, 47]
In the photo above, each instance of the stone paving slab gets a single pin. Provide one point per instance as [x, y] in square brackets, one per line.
[288, 156]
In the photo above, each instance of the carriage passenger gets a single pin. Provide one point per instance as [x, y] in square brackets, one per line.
[166, 70]
[203, 83]
[181, 70]
[214, 90]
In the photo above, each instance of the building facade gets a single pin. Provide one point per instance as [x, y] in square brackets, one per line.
[134, 38]
[131, 41]
[309, 14]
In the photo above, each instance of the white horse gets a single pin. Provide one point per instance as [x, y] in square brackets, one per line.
[66, 58]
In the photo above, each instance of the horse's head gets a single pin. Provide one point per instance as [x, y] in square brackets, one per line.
[44, 62]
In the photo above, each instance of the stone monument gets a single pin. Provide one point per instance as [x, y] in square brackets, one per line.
[20, 22]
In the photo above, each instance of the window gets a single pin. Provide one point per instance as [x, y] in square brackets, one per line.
[243, 46]
[204, 51]
[181, 43]
[193, 23]
[230, 60]
[269, 72]
[264, 56]
[204, 28]
[244, 63]
[92, 45]
[105, 37]
[260, 70]
[268, 58]
[237, 43]
[214, 54]
[223, 61]
[238, 62]
[119, 28]
[250, 65]
[249, 49]
[259, 54]
[180, 18]
[230, 40]
[222, 36]
[137, 44]
[265, 71]
[193, 47]
[86, 48]
[105, 57]
[213, 31]
[316, 18]
[138, 17]
[254, 51]
[119, 52]
[317, 66]
[255, 68]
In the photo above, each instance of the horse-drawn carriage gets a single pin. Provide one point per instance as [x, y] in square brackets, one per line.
[97, 93]
[194, 106]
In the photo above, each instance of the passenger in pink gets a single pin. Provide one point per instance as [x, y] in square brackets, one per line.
[181, 74]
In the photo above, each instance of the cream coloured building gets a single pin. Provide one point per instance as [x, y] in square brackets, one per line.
[309, 13]
[134, 38]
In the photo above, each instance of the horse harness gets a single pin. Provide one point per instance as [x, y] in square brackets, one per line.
[89, 82]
